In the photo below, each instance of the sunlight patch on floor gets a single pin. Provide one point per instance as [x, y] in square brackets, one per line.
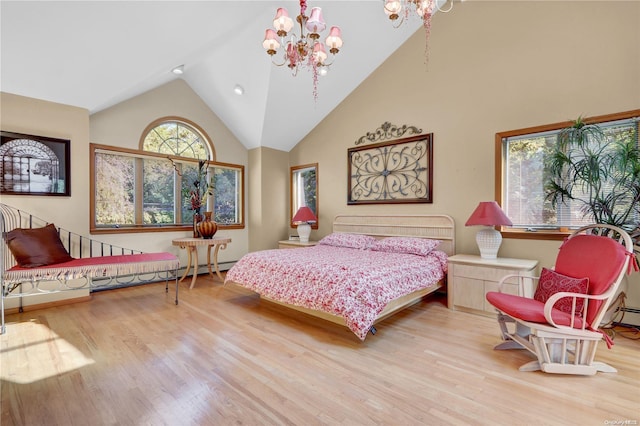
[31, 351]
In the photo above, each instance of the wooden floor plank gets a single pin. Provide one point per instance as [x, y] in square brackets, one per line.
[223, 356]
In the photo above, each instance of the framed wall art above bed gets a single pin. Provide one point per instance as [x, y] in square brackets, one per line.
[396, 171]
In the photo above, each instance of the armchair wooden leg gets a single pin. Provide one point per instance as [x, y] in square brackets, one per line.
[509, 342]
[530, 366]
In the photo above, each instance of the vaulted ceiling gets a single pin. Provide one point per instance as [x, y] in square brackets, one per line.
[95, 54]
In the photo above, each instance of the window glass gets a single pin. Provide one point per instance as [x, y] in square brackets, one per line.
[158, 192]
[152, 187]
[304, 190]
[226, 195]
[114, 191]
[526, 171]
[188, 174]
[176, 138]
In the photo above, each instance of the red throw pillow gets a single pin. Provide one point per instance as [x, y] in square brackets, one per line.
[37, 247]
[552, 282]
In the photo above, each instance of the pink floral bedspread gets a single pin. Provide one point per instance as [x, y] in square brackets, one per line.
[351, 283]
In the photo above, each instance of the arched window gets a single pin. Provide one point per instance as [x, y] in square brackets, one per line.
[177, 137]
[153, 187]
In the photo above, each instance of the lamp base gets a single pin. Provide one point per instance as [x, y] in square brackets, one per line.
[489, 241]
[304, 230]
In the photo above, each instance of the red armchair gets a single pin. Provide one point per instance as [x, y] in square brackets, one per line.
[560, 324]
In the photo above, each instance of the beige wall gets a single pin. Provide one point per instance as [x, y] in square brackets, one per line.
[268, 195]
[493, 66]
[122, 125]
[41, 118]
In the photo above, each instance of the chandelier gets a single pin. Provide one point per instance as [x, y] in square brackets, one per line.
[304, 50]
[399, 10]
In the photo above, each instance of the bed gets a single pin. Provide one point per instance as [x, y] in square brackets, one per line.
[368, 268]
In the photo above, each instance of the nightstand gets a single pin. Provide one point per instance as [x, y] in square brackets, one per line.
[470, 277]
[289, 244]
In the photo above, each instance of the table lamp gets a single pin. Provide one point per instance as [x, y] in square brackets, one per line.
[303, 217]
[488, 214]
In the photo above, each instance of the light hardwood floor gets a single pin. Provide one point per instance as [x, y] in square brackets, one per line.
[131, 357]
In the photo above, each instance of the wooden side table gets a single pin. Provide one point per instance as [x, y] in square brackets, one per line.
[191, 244]
[470, 277]
[289, 244]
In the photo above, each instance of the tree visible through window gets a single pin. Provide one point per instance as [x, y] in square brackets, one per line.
[151, 187]
[524, 174]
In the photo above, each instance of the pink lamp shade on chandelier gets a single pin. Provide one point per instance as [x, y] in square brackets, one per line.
[303, 217]
[488, 214]
[316, 23]
[319, 53]
[334, 40]
[282, 22]
[392, 8]
[271, 43]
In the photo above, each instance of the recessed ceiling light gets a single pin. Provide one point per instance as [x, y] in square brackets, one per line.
[238, 90]
[178, 70]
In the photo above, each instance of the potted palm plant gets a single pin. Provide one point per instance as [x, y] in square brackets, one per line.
[599, 170]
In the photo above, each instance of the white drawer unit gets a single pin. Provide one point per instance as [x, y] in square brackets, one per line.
[470, 277]
[289, 244]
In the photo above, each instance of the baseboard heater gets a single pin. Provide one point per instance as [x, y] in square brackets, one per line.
[202, 269]
[631, 317]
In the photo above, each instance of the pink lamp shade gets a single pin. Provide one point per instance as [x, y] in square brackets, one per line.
[489, 214]
[282, 22]
[304, 215]
[319, 53]
[302, 218]
[271, 43]
[334, 40]
[316, 23]
[392, 8]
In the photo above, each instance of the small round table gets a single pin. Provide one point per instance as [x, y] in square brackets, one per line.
[191, 244]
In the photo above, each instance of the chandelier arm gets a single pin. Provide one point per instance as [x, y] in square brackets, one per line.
[284, 61]
[328, 64]
[444, 10]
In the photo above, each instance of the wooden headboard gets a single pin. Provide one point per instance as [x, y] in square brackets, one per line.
[438, 226]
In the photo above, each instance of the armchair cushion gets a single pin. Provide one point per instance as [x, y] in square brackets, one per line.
[593, 256]
[530, 310]
[551, 282]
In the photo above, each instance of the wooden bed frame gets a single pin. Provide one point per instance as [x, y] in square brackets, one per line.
[439, 227]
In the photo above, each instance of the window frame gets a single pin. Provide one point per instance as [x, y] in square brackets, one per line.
[139, 226]
[294, 202]
[500, 172]
[186, 123]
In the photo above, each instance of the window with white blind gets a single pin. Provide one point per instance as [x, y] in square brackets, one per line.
[523, 174]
